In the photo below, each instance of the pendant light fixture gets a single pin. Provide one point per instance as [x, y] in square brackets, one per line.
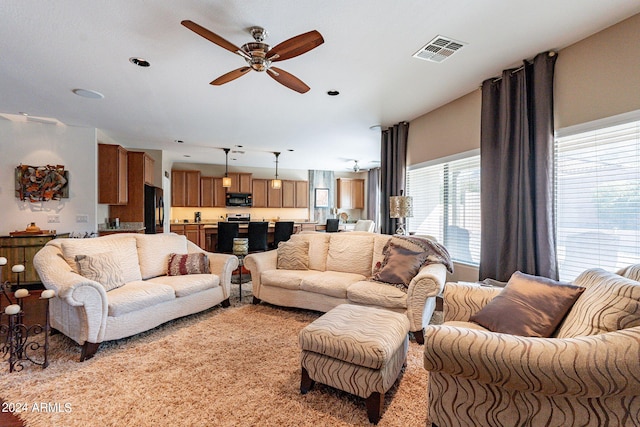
[226, 180]
[276, 183]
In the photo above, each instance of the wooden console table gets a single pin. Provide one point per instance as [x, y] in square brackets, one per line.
[20, 249]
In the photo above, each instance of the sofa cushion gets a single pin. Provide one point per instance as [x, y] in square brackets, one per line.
[287, 279]
[609, 303]
[137, 295]
[123, 248]
[350, 254]
[293, 255]
[377, 294]
[630, 272]
[331, 283]
[400, 265]
[185, 264]
[528, 306]
[188, 284]
[318, 247]
[154, 251]
[102, 268]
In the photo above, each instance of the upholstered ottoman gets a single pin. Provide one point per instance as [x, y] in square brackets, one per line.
[357, 349]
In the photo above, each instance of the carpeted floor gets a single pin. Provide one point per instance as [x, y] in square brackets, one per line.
[237, 366]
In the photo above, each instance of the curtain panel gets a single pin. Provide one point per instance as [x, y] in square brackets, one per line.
[393, 167]
[516, 152]
[373, 195]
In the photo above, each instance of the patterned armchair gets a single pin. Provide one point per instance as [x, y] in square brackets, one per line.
[587, 374]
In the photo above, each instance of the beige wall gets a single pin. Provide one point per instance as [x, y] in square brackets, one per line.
[594, 78]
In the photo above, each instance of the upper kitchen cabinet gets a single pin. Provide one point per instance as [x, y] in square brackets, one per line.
[240, 182]
[259, 192]
[302, 194]
[112, 174]
[212, 193]
[185, 188]
[140, 167]
[350, 193]
[295, 194]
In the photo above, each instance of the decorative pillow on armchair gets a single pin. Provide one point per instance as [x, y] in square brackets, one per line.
[194, 263]
[528, 306]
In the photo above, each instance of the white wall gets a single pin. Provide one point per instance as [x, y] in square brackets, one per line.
[40, 144]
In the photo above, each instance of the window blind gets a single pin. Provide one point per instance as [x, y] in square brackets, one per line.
[446, 205]
[597, 197]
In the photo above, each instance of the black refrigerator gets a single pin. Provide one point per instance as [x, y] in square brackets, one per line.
[153, 210]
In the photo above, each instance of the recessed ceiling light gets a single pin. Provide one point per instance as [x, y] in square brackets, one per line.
[86, 93]
[139, 62]
[290, 149]
[333, 93]
[187, 155]
[239, 146]
[178, 141]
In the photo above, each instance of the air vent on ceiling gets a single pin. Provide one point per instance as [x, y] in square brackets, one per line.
[439, 49]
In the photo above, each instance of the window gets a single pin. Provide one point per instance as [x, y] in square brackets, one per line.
[598, 196]
[446, 204]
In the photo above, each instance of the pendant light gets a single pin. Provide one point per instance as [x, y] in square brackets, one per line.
[276, 183]
[226, 180]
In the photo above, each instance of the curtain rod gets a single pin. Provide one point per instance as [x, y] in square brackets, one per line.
[497, 79]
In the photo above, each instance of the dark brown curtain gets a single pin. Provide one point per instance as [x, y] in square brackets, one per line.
[373, 196]
[516, 152]
[393, 166]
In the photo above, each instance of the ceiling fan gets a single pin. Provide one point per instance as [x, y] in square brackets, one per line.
[259, 56]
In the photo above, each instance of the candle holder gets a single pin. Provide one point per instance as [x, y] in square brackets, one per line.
[19, 344]
[240, 249]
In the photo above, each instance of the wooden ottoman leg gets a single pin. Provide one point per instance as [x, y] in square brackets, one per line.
[306, 383]
[375, 402]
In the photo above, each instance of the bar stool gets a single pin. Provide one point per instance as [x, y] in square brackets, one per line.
[227, 231]
[258, 236]
[282, 232]
[332, 225]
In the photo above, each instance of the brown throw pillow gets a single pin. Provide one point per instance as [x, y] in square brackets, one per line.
[181, 264]
[400, 265]
[529, 306]
[293, 255]
[102, 268]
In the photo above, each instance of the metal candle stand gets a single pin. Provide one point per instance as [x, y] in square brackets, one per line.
[19, 344]
[240, 249]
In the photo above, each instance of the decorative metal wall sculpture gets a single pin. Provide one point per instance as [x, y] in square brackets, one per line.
[41, 183]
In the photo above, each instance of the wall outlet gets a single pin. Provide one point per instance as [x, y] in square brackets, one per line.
[53, 219]
[82, 218]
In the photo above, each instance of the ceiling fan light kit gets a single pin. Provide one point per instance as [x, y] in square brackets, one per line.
[259, 56]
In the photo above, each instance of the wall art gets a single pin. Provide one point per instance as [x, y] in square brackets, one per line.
[41, 183]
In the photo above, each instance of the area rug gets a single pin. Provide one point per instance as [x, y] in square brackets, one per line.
[236, 366]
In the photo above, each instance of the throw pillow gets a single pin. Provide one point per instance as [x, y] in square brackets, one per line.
[400, 265]
[103, 268]
[293, 255]
[194, 263]
[528, 306]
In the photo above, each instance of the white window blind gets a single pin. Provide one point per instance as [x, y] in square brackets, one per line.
[598, 199]
[446, 205]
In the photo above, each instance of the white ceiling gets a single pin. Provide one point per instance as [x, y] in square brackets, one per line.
[49, 48]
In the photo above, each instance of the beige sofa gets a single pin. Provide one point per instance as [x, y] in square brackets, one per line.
[339, 265]
[89, 314]
[586, 374]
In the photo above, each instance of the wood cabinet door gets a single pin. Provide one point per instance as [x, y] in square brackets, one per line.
[177, 228]
[288, 194]
[274, 197]
[149, 164]
[302, 194]
[219, 193]
[259, 192]
[357, 193]
[192, 191]
[112, 175]
[344, 193]
[192, 231]
[178, 188]
[245, 182]
[206, 192]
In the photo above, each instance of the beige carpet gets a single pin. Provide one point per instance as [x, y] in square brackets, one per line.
[237, 366]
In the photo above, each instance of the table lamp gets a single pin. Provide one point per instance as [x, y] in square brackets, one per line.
[400, 207]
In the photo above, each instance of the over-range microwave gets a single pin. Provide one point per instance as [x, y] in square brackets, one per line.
[239, 199]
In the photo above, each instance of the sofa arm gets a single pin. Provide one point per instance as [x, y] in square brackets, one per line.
[590, 366]
[223, 265]
[423, 289]
[258, 262]
[462, 300]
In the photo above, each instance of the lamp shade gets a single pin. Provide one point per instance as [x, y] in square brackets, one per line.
[226, 181]
[400, 207]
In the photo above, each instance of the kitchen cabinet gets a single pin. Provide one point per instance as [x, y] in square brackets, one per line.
[274, 196]
[350, 193]
[302, 194]
[193, 232]
[259, 192]
[148, 170]
[212, 193]
[112, 174]
[185, 188]
[140, 164]
[240, 182]
[20, 250]
[295, 194]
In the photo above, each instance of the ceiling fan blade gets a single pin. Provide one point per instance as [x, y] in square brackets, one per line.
[231, 75]
[212, 37]
[289, 80]
[295, 46]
